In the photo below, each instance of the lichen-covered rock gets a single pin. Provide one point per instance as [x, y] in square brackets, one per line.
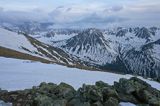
[111, 102]
[65, 91]
[127, 98]
[46, 87]
[137, 91]
[43, 100]
[91, 93]
[98, 103]
[130, 86]
[109, 92]
[149, 98]
[78, 102]
[101, 84]
[60, 102]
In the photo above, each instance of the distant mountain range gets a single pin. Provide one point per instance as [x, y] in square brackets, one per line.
[123, 50]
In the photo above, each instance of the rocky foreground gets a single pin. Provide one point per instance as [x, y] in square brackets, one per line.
[131, 90]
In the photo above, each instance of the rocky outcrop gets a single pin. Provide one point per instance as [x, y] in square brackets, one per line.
[131, 90]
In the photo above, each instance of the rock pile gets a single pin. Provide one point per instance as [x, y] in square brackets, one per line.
[131, 90]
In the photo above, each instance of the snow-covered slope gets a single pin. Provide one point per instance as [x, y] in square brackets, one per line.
[15, 41]
[18, 74]
[52, 36]
[89, 45]
[28, 45]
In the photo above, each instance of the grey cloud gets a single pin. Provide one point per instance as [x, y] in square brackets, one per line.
[94, 18]
[116, 8]
[69, 9]
[21, 16]
[1, 9]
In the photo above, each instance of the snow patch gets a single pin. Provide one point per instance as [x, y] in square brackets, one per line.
[19, 74]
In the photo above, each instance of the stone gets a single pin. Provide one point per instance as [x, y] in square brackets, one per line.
[109, 92]
[101, 84]
[148, 97]
[78, 102]
[154, 101]
[47, 88]
[91, 93]
[111, 102]
[60, 102]
[43, 100]
[132, 85]
[98, 103]
[128, 98]
[66, 91]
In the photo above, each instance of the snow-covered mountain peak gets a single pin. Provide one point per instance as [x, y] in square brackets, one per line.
[89, 44]
[144, 33]
[92, 30]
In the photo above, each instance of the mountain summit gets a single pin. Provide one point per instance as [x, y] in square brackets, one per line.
[89, 44]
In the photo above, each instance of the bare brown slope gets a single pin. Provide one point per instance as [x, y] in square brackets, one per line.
[5, 52]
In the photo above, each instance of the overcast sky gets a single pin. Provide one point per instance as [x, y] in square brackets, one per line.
[83, 13]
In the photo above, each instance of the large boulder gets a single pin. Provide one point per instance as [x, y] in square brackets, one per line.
[147, 97]
[129, 86]
[109, 92]
[65, 91]
[137, 91]
[90, 93]
[46, 88]
[101, 84]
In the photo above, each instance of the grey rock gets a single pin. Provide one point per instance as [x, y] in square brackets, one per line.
[109, 92]
[66, 91]
[111, 102]
[43, 100]
[78, 102]
[98, 103]
[91, 93]
[61, 102]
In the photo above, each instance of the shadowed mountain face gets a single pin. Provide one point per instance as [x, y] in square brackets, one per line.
[144, 33]
[138, 51]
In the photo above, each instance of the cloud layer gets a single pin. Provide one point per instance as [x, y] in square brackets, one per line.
[82, 13]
